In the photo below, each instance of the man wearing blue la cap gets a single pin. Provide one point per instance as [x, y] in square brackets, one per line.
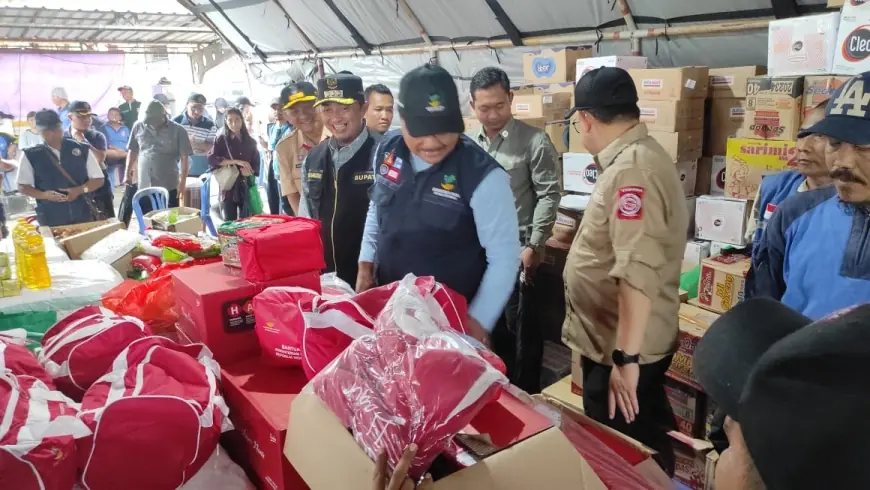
[815, 253]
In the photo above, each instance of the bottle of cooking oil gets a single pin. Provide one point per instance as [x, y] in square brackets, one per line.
[17, 240]
[32, 248]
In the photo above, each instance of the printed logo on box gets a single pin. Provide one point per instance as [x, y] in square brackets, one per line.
[737, 112]
[649, 112]
[721, 81]
[590, 174]
[856, 46]
[544, 67]
[524, 107]
[652, 83]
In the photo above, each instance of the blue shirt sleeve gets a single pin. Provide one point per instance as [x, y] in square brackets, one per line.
[369, 248]
[495, 218]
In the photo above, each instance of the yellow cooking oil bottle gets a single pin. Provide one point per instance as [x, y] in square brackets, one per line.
[30, 257]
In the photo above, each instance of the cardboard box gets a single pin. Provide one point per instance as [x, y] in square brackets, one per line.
[749, 160]
[80, 237]
[550, 107]
[681, 146]
[190, 222]
[531, 452]
[722, 219]
[556, 88]
[836, 3]
[562, 393]
[259, 397]
[726, 119]
[731, 82]
[711, 176]
[852, 51]
[819, 89]
[722, 282]
[559, 132]
[624, 62]
[471, 124]
[553, 65]
[719, 248]
[690, 408]
[694, 323]
[693, 468]
[688, 174]
[215, 308]
[774, 106]
[579, 172]
[802, 45]
[708, 420]
[696, 251]
[672, 115]
[688, 82]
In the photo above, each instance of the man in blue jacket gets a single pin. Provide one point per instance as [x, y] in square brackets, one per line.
[441, 206]
[812, 172]
[814, 255]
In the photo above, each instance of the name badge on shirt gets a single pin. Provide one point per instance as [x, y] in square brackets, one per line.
[315, 175]
[363, 177]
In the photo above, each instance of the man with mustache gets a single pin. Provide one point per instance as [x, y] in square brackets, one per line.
[811, 173]
[813, 255]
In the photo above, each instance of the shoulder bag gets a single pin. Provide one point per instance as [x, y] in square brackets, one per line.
[226, 175]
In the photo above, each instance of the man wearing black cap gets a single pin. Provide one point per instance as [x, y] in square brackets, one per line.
[276, 131]
[60, 174]
[130, 108]
[337, 174]
[441, 205]
[795, 395]
[623, 270]
[813, 253]
[200, 129]
[298, 109]
[81, 119]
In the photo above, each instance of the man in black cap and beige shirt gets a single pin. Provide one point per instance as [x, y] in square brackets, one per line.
[795, 392]
[623, 269]
[81, 117]
[337, 173]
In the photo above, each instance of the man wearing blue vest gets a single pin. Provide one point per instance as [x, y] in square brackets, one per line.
[59, 174]
[441, 205]
[813, 255]
[337, 174]
[812, 172]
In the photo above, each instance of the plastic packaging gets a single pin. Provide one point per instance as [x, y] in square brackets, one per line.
[229, 239]
[30, 257]
[113, 247]
[332, 286]
[413, 381]
[146, 263]
[183, 242]
[219, 473]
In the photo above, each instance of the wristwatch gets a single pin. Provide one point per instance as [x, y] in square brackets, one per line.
[84, 189]
[620, 358]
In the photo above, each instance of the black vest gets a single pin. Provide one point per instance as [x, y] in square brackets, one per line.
[340, 202]
[46, 177]
[425, 222]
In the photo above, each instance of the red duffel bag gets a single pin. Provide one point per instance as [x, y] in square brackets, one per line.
[281, 250]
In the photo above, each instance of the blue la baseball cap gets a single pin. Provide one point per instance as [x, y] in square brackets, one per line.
[847, 116]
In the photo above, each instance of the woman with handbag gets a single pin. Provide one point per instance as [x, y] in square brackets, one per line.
[233, 159]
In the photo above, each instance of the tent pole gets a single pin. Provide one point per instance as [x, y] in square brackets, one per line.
[433, 54]
[560, 39]
[630, 24]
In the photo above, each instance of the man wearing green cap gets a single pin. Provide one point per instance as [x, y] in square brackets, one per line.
[156, 146]
[337, 174]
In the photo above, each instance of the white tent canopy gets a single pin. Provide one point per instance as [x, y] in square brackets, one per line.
[401, 34]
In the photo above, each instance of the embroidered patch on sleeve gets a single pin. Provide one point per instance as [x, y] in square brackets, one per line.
[630, 205]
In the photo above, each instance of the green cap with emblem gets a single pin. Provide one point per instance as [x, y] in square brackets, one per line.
[429, 102]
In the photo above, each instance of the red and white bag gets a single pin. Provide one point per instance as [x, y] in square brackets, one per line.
[281, 250]
[80, 348]
[18, 360]
[156, 417]
[451, 304]
[38, 433]
[280, 323]
[330, 328]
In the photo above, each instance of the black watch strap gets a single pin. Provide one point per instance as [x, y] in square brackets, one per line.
[620, 358]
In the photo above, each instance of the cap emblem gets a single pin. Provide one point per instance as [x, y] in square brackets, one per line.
[853, 96]
[434, 104]
[331, 82]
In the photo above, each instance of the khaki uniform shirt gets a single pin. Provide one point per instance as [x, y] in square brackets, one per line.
[291, 153]
[530, 159]
[634, 229]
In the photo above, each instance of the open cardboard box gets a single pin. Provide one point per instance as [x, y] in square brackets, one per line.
[544, 458]
[190, 221]
[76, 239]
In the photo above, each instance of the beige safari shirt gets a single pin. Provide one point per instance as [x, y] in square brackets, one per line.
[634, 229]
[291, 152]
[532, 162]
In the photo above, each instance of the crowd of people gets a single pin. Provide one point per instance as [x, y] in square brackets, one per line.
[475, 211]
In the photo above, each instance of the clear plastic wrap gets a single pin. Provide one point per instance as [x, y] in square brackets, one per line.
[332, 285]
[415, 380]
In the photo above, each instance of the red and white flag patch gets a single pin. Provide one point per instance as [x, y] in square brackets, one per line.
[768, 211]
[630, 205]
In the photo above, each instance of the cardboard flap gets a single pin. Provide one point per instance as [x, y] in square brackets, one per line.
[547, 460]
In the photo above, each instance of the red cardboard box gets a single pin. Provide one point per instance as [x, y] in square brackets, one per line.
[259, 398]
[214, 307]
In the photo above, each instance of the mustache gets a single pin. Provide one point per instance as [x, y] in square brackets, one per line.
[846, 175]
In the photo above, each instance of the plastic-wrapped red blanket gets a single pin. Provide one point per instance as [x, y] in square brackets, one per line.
[414, 380]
